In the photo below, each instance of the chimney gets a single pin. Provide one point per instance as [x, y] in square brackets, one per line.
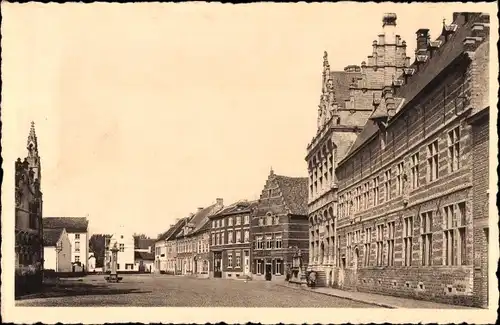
[422, 40]
[389, 25]
[219, 201]
[200, 208]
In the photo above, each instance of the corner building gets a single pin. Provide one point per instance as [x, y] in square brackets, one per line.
[346, 103]
[412, 189]
[279, 224]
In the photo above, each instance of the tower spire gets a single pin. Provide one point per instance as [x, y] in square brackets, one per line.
[32, 144]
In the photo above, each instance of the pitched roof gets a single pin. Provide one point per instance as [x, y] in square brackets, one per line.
[442, 58]
[294, 191]
[144, 256]
[200, 218]
[341, 82]
[144, 243]
[51, 236]
[72, 224]
[239, 206]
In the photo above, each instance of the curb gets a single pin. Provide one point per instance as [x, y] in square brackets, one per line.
[347, 298]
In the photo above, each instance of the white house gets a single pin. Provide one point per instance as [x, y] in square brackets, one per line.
[57, 250]
[77, 230]
[126, 257]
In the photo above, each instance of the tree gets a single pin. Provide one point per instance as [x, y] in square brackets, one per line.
[97, 245]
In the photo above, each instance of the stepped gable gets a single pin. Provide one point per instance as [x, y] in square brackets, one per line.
[51, 236]
[294, 192]
[427, 66]
[71, 224]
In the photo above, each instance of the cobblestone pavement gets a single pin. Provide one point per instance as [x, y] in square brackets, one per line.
[172, 291]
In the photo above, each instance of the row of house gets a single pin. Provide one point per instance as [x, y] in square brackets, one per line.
[398, 169]
[245, 239]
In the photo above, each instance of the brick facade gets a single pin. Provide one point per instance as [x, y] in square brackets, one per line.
[230, 244]
[278, 225]
[407, 192]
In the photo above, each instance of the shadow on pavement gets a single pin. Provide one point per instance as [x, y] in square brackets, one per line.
[73, 288]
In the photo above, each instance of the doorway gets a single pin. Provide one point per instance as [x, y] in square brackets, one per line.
[268, 271]
[246, 263]
[217, 264]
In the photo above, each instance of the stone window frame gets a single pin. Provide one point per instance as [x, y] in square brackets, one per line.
[222, 237]
[453, 143]
[230, 221]
[414, 169]
[376, 190]
[277, 236]
[379, 235]
[237, 238]
[391, 242]
[455, 234]
[426, 228]
[400, 167]
[433, 161]
[229, 259]
[238, 259]
[408, 226]
[388, 185]
[246, 219]
[269, 219]
[230, 236]
[268, 239]
[259, 242]
[246, 236]
[367, 246]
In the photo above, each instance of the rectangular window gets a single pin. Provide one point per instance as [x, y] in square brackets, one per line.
[229, 259]
[258, 243]
[77, 258]
[380, 245]
[279, 243]
[122, 247]
[432, 161]
[230, 237]
[77, 236]
[454, 149]
[454, 234]
[269, 242]
[375, 191]
[368, 240]
[238, 259]
[230, 221]
[217, 239]
[279, 266]
[399, 178]
[77, 246]
[222, 239]
[366, 194]
[414, 171]
[426, 231]
[247, 236]
[260, 267]
[408, 240]
[387, 185]
[222, 222]
[247, 219]
[238, 220]
[391, 228]
[213, 224]
[213, 240]
[238, 236]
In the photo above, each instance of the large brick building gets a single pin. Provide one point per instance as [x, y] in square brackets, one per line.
[412, 205]
[231, 241]
[279, 225]
[346, 103]
[28, 218]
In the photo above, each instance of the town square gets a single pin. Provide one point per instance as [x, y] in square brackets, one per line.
[187, 164]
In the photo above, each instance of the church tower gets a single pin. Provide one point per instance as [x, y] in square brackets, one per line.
[33, 158]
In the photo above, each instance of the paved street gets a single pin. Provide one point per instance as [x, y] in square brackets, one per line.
[171, 291]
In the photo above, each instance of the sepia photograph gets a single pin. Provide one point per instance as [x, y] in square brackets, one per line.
[260, 162]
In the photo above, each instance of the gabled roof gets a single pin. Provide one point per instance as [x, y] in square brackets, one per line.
[341, 82]
[144, 256]
[144, 243]
[294, 191]
[441, 58]
[179, 227]
[200, 218]
[71, 224]
[237, 207]
[51, 236]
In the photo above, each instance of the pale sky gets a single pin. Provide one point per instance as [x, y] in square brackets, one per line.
[145, 112]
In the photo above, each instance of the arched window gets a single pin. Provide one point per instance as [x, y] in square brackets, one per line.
[269, 218]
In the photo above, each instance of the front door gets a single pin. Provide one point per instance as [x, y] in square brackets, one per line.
[268, 271]
[247, 262]
[217, 264]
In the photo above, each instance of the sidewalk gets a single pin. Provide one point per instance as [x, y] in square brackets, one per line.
[378, 300]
